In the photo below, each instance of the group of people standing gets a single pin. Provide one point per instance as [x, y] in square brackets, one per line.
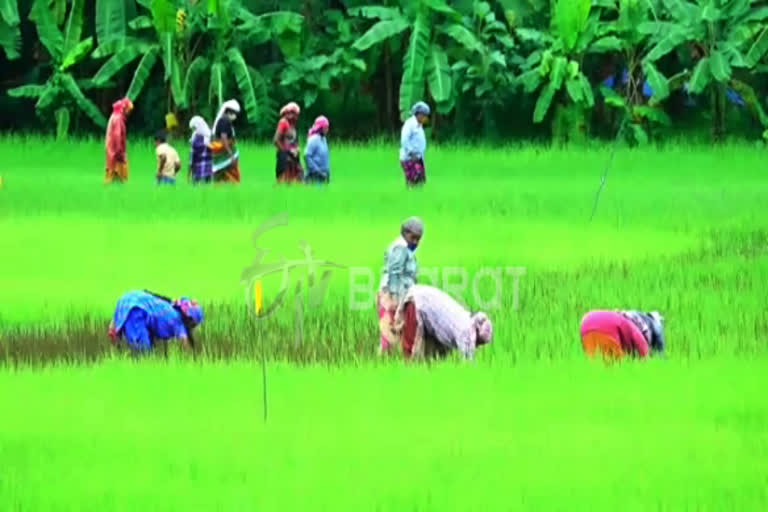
[214, 156]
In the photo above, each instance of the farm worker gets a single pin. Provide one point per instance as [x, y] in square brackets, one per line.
[288, 168]
[168, 161]
[226, 168]
[200, 158]
[316, 154]
[117, 142]
[619, 333]
[143, 317]
[399, 274]
[431, 323]
[413, 145]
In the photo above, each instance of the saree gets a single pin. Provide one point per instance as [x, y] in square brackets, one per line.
[226, 168]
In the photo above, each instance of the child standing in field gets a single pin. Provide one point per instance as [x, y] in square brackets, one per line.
[316, 155]
[168, 162]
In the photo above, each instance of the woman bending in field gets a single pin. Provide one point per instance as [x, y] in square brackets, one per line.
[400, 273]
[117, 143]
[431, 324]
[288, 168]
[226, 165]
[141, 318]
[616, 334]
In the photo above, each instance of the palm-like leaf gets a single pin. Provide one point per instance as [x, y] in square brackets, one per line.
[117, 62]
[76, 54]
[412, 84]
[376, 12]
[177, 90]
[701, 76]
[27, 91]
[719, 66]
[381, 31]
[244, 83]
[439, 75]
[758, 48]
[606, 44]
[654, 114]
[92, 111]
[74, 28]
[667, 43]
[10, 40]
[657, 81]
[544, 102]
[194, 71]
[9, 12]
[463, 36]
[142, 73]
[47, 31]
[216, 85]
[110, 20]
[48, 97]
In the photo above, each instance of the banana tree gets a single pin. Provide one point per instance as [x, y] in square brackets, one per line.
[555, 66]
[327, 62]
[10, 33]
[62, 92]
[425, 62]
[726, 37]
[483, 63]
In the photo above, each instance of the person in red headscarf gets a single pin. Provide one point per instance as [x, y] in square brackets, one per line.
[288, 169]
[117, 142]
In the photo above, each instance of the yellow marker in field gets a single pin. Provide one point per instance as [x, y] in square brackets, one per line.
[258, 297]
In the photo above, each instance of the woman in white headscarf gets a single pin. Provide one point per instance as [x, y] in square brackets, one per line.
[431, 323]
[226, 167]
[200, 157]
[413, 145]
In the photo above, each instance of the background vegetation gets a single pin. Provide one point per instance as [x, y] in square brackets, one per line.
[492, 68]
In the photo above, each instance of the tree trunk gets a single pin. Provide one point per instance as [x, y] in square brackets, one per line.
[389, 125]
[717, 97]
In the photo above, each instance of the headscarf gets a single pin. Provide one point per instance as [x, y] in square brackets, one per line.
[232, 105]
[122, 106]
[412, 225]
[290, 107]
[200, 127]
[420, 108]
[483, 327]
[657, 331]
[321, 123]
[190, 309]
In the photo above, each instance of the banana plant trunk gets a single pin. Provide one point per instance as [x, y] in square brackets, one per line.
[717, 96]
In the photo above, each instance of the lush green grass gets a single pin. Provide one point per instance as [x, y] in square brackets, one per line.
[682, 230]
[662, 435]
[530, 426]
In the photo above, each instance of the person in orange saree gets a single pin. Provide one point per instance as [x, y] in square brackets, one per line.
[117, 142]
[226, 164]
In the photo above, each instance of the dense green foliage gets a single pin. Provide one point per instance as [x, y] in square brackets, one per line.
[479, 62]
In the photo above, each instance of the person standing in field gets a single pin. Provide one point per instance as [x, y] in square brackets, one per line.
[399, 274]
[168, 161]
[413, 145]
[286, 140]
[432, 324]
[226, 165]
[200, 157]
[316, 154]
[141, 318]
[117, 143]
[615, 334]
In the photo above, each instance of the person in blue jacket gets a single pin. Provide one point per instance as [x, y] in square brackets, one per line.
[141, 318]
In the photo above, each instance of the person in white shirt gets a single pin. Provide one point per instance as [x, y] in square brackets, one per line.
[413, 145]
